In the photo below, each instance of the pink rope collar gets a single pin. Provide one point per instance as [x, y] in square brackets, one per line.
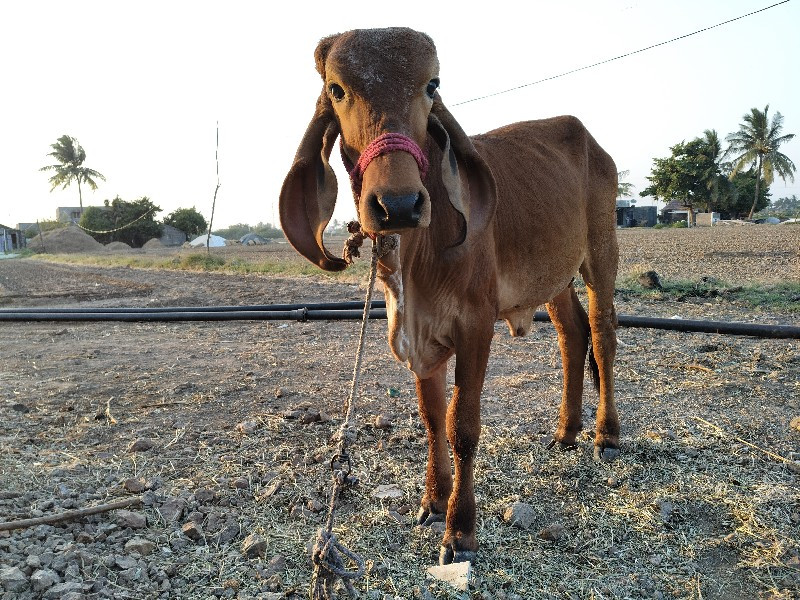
[383, 144]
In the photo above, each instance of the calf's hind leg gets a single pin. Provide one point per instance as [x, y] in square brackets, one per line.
[599, 272]
[572, 326]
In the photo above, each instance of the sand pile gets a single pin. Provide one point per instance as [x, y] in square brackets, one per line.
[65, 241]
[117, 247]
[153, 243]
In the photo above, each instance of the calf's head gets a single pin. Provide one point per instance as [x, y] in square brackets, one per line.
[380, 95]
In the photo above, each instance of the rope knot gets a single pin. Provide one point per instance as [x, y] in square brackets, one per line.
[327, 558]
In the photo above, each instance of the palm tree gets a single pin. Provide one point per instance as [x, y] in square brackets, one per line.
[717, 184]
[756, 143]
[70, 156]
[623, 187]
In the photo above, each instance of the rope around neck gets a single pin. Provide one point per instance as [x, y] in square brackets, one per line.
[327, 552]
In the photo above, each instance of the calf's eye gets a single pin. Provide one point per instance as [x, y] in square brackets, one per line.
[433, 85]
[336, 91]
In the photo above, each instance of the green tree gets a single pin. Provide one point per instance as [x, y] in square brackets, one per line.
[740, 202]
[787, 207]
[234, 232]
[188, 220]
[70, 156]
[624, 188]
[756, 144]
[120, 221]
[683, 176]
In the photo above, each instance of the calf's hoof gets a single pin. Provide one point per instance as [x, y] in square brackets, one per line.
[606, 454]
[428, 516]
[552, 443]
[448, 555]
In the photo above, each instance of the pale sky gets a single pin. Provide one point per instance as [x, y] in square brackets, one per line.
[142, 84]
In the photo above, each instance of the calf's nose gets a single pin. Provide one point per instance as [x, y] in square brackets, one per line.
[398, 212]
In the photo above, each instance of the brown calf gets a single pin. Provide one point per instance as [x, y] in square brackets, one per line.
[490, 227]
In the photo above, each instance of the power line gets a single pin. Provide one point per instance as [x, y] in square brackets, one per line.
[608, 60]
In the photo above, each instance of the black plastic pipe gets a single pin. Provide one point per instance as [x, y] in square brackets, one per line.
[333, 311]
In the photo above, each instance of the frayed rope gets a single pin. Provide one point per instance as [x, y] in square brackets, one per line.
[329, 566]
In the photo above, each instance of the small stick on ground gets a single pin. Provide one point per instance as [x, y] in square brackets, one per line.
[793, 465]
[69, 515]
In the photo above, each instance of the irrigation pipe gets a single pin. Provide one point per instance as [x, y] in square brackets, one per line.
[335, 311]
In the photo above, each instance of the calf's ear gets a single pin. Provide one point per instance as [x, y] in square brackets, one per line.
[461, 164]
[308, 195]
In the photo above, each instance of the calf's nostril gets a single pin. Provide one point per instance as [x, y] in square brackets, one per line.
[401, 211]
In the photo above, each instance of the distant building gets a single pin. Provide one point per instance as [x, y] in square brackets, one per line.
[11, 239]
[28, 227]
[69, 214]
[674, 212]
[172, 236]
[629, 215]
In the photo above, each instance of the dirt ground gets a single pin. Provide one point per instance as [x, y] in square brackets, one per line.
[223, 430]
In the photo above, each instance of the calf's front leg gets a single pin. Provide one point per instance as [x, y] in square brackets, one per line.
[438, 475]
[463, 430]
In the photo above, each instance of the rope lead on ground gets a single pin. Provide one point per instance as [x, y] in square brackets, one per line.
[328, 552]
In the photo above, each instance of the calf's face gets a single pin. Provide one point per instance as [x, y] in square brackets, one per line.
[383, 82]
[380, 98]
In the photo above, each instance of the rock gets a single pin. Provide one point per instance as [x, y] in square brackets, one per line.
[12, 579]
[44, 579]
[520, 515]
[125, 562]
[665, 509]
[247, 427]
[386, 492]
[277, 565]
[310, 416]
[192, 530]
[455, 574]
[142, 546]
[172, 509]
[241, 483]
[300, 512]
[19, 407]
[552, 532]
[133, 485]
[650, 280]
[204, 495]
[60, 591]
[383, 422]
[141, 445]
[254, 545]
[228, 533]
[132, 519]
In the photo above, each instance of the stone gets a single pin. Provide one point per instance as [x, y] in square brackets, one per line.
[172, 509]
[141, 445]
[133, 485]
[141, 545]
[132, 519]
[12, 579]
[520, 514]
[254, 545]
[383, 422]
[277, 565]
[192, 530]
[62, 590]
[125, 562]
[241, 483]
[456, 575]
[247, 427]
[43, 579]
[204, 495]
[387, 492]
[552, 532]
